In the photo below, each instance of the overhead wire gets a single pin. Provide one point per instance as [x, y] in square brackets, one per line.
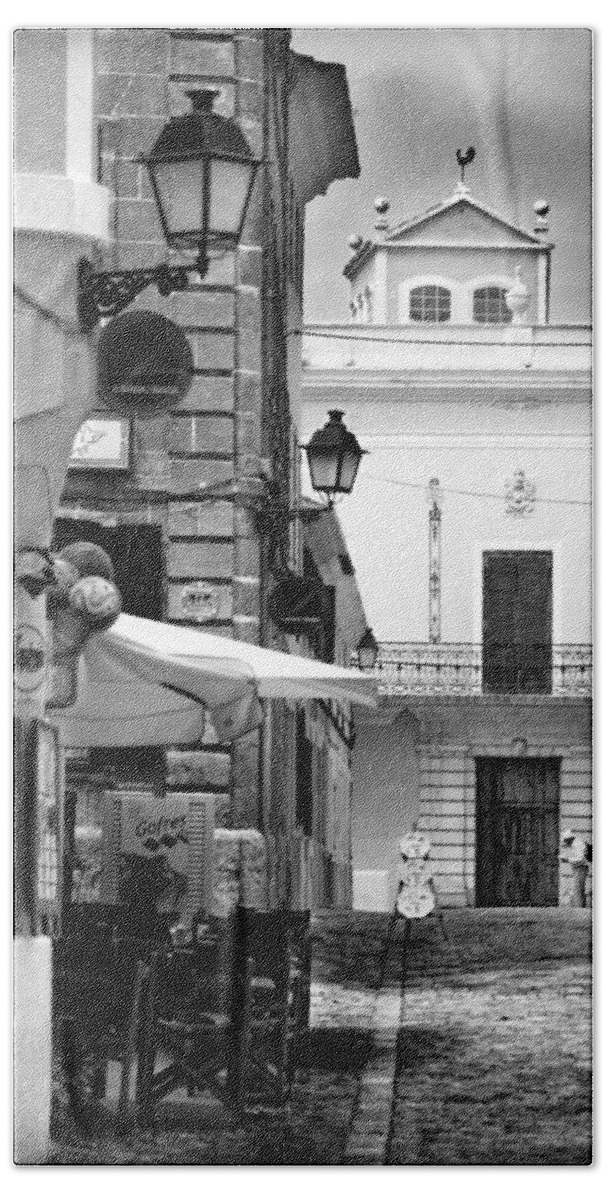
[469, 492]
[400, 341]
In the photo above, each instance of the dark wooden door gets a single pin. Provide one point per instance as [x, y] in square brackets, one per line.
[517, 620]
[517, 832]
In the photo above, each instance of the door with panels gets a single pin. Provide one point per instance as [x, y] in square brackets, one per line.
[517, 843]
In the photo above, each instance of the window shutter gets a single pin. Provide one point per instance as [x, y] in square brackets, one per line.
[517, 604]
[534, 598]
[201, 824]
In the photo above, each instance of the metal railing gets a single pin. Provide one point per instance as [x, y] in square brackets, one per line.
[470, 669]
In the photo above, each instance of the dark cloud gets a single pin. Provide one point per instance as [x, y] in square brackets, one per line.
[522, 97]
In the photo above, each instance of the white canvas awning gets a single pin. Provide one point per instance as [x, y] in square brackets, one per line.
[148, 683]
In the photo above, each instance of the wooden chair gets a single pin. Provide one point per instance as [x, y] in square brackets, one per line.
[95, 981]
[193, 1029]
[278, 946]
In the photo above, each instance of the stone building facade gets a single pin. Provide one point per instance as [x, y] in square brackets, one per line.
[179, 555]
[471, 535]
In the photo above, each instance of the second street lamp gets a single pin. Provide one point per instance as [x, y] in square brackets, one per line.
[202, 171]
[334, 456]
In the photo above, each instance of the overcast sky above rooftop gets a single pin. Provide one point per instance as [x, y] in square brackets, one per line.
[522, 97]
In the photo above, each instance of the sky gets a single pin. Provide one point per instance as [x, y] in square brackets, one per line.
[521, 96]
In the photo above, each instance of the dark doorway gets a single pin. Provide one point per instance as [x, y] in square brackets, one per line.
[517, 620]
[137, 558]
[517, 832]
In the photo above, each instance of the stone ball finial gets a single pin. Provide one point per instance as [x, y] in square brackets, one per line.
[381, 205]
[541, 225]
[355, 241]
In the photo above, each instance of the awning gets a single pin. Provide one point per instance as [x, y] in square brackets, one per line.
[322, 141]
[143, 683]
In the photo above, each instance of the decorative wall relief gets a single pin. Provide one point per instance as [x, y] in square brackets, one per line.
[520, 494]
[199, 601]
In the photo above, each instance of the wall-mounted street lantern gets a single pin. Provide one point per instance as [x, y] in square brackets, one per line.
[202, 170]
[367, 651]
[334, 455]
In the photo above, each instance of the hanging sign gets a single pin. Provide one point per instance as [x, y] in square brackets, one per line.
[153, 826]
[155, 847]
[296, 604]
[102, 444]
[145, 363]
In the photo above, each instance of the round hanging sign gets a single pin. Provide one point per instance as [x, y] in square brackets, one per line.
[145, 363]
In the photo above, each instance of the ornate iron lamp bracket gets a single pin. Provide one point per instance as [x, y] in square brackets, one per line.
[106, 293]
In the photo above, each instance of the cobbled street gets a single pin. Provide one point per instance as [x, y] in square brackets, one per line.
[468, 1045]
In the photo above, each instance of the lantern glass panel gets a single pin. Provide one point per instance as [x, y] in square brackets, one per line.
[348, 471]
[324, 470]
[228, 191]
[180, 193]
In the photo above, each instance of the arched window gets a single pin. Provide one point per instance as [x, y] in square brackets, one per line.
[489, 306]
[430, 303]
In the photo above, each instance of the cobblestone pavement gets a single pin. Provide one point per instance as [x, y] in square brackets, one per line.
[473, 1047]
[494, 1055]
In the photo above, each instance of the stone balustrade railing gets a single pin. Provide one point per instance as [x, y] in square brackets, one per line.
[465, 669]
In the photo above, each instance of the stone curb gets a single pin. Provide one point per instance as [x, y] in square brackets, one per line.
[367, 1141]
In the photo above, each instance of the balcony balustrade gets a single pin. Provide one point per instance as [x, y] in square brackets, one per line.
[469, 669]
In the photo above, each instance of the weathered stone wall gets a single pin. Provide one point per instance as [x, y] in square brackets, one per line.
[239, 387]
[214, 433]
[237, 418]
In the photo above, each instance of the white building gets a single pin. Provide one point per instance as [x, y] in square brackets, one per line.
[470, 531]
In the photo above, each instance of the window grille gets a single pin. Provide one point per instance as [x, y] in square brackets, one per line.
[430, 303]
[489, 306]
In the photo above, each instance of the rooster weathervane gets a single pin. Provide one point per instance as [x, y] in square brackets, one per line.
[463, 160]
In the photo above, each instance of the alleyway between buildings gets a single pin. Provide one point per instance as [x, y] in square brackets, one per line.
[464, 1046]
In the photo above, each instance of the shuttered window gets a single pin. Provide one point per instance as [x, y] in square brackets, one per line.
[517, 621]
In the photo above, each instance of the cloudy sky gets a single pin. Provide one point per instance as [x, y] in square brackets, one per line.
[522, 97]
